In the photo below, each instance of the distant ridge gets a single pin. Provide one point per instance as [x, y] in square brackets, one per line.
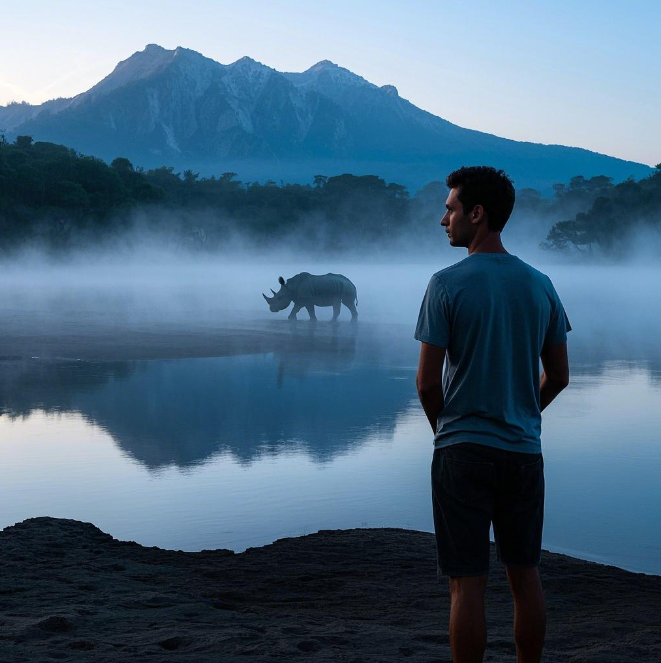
[177, 107]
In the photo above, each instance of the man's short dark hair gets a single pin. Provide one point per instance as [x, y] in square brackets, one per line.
[486, 186]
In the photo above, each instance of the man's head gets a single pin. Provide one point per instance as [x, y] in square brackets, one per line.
[479, 196]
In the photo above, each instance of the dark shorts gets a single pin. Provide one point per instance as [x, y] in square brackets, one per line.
[474, 486]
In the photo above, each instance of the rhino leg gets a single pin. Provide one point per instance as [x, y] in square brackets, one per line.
[311, 312]
[352, 307]
[294, 311]
[336, 309]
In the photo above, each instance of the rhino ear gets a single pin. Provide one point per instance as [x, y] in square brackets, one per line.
[281, 281]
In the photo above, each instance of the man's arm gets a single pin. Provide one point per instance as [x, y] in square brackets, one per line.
[555, 376]
[429, 381]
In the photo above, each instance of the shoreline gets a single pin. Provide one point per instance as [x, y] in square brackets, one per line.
[68, 591]
[579, 555]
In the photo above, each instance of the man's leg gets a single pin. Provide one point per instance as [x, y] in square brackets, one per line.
[462, 499]
[529, 613]
[468, 627]
[517, 525]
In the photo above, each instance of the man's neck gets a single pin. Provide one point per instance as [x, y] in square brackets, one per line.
[487, 243]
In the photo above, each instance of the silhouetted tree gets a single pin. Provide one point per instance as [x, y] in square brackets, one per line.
[611, 217]
[23, 142]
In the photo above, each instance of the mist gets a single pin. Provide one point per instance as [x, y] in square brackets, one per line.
[148, 285]
[164, 361]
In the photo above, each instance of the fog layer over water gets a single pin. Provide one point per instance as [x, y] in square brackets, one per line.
[160, 399]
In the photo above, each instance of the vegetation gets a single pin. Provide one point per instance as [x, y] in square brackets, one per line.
[614, 216]
[52, 194]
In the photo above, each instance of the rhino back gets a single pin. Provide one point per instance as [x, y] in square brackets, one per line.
[311, 287]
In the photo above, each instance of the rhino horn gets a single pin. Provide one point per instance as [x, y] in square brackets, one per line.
[273, 291]
[268, 301]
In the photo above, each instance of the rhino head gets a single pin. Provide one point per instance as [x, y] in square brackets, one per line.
[281, 299]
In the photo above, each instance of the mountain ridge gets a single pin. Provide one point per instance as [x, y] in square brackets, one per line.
[178, 107]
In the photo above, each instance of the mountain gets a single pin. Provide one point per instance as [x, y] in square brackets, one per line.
[177, 107]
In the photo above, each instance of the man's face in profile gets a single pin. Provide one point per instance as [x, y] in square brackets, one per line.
[457, 225]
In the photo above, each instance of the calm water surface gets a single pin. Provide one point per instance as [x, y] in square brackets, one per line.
[240, 428]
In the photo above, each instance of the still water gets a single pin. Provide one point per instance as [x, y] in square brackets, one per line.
[180, 414]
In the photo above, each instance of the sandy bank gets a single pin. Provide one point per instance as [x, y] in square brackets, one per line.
[70, 592]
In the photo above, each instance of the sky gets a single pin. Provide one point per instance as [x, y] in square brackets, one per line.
[585, 74]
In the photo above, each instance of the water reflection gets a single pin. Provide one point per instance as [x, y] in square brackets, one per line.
[321, 389]
[297, 397]
[310, 393]
[312, 348]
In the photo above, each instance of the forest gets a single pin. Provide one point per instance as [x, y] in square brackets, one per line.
[56, 197]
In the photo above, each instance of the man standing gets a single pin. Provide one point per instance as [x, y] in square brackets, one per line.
[489, 319]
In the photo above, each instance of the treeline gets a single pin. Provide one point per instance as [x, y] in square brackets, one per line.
[617, 216]
[52, 194]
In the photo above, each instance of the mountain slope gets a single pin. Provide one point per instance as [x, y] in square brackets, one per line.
[180, 108]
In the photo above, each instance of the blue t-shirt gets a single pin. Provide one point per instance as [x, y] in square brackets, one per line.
[494, 313]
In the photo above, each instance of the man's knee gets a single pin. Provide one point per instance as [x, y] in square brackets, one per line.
[524, 580]
[468, 586]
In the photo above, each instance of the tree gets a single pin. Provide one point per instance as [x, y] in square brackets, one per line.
[599, 182]
[190, 176]
[23, 142]
[122, 165]
[559, 190]
[614, 214]
[529, 198]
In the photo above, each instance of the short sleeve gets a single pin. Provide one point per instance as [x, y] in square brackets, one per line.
[434, 321]
[559, 322]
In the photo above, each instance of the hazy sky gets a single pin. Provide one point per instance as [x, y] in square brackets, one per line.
[551, 71]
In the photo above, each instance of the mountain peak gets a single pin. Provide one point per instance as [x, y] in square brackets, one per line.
[180, 50]
[327, 72]
[141, 64]
[146, 63]
[324, 64]
[248, 63]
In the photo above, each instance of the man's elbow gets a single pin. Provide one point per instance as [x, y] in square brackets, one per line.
[426, 387]
[558, 382]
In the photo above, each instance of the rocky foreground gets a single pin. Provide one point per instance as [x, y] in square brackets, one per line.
[70, 592]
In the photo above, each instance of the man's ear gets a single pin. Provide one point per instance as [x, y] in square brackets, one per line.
[477, 214]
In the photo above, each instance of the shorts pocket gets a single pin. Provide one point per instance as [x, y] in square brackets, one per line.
[531, 481]
[469, 482]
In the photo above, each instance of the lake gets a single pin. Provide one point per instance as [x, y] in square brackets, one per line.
[165, 404]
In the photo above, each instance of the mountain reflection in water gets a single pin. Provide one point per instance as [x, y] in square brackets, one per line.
[318, 389]
[325, 419]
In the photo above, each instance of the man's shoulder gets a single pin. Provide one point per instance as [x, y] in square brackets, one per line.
[536, 275]
[475, 264]
[532, 270]
[450, 271]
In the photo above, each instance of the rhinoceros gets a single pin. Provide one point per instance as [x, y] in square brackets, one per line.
[309, 290]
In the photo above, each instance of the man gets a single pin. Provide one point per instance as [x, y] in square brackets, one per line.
[489, 318]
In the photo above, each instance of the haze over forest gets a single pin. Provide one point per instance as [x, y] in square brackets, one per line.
[55, 199]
